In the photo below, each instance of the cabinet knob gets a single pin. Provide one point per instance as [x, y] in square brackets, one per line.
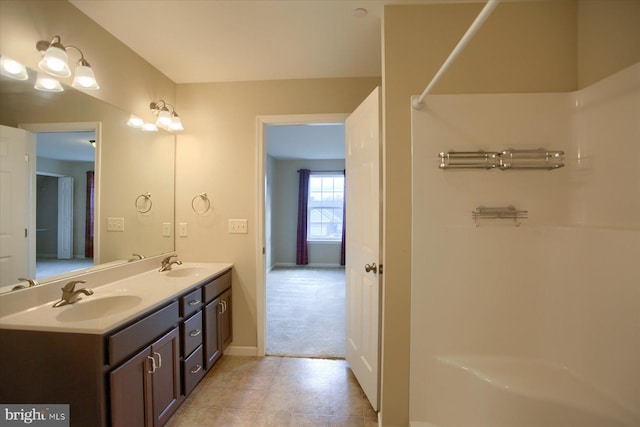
[196, 369]
[194, 302]
[195, 333]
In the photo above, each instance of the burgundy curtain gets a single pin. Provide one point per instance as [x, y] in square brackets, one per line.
[302, 252]
[88, 225]
[343, 254]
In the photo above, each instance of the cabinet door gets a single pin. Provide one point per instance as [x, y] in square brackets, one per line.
[166, 378]
[130, 392]
[226, 328]
[212, 347]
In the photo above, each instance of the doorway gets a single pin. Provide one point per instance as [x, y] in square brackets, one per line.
[64, 186]
[275, 270]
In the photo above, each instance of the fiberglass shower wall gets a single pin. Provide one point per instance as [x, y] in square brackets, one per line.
[550, 310]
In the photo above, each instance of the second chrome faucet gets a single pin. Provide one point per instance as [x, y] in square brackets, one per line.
[167, 263]
[71, 295]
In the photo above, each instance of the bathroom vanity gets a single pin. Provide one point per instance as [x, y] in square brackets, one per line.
[127, 355]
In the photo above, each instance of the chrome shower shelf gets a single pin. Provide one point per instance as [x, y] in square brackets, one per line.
[503, 160]
[507, 212]
[469, 160]
[531, 159]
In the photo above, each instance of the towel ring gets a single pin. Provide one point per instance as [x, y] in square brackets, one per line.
[204, 197]
[146, 197]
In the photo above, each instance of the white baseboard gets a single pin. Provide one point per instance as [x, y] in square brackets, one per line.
[239, 350]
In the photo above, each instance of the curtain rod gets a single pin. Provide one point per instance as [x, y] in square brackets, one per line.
[336, 171]
[475, 26]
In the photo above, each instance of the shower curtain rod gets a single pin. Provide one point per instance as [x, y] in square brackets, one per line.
[475, 26]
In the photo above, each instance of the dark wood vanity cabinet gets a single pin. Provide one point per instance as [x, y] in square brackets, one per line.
[133, 376]
[145, 390]
[226, 331]
[217, 318]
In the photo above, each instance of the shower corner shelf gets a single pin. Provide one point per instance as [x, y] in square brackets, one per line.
[506, 212]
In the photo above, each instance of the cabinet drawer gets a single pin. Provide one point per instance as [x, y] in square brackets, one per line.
[217, 286]
[192, 333]
[193, 370]
[134, 337]
[191, 302]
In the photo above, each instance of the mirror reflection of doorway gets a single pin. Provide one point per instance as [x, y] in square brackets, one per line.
[64, 202]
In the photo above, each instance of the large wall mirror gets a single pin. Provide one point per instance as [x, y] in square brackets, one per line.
[99, 192]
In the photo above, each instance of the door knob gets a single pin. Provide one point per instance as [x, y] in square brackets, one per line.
[373, 267]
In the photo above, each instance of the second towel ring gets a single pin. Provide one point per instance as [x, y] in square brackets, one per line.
[206, 200]
[146, 197]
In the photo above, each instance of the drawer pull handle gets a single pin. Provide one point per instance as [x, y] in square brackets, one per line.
[159, 359]
[195, 333]
[153, 365]
[194, 302]
[196, 369]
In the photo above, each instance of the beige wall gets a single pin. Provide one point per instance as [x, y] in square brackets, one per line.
[540, 54]
[284, 222]
[608, 38]
[217, 155]
[126, 80]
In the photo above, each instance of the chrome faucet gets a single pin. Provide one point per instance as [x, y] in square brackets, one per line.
[167, 263]
[136, 257]
[70, 295]
[32, 282]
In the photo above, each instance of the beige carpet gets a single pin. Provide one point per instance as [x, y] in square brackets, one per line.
[306, 312]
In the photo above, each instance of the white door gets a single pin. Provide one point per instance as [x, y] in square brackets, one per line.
[14, 204]
[65, 217]
[363, 244]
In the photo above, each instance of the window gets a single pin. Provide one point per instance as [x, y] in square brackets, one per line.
[326, 201]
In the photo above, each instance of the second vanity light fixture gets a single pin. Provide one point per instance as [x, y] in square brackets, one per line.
[168, 120]
[55, 62]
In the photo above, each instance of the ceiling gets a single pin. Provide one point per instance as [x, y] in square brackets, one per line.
[195, 41]
[70, 146]
[321, 141]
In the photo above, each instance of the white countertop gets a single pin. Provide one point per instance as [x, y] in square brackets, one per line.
[142, 292]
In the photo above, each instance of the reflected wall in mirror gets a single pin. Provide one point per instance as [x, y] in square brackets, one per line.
[129, 163]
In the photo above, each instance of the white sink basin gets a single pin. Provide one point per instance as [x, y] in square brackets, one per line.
[186, 272]
[89, 309]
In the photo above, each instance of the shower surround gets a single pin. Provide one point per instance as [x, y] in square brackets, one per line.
[536, 325]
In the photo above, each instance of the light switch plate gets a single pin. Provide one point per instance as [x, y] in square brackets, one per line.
[115, 224]
[238, 226]
[166, 229]
[183, 230]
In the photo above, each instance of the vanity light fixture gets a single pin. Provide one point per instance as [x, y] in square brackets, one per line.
[12, 68]
[135, 122]
[55, 61]
[47, 84]
[149, 127]
[168, 120]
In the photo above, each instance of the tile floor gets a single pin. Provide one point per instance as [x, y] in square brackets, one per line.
[279, 392]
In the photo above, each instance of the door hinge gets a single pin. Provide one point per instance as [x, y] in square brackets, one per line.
[264, 251]
[26, 158]
[380, 269]
[25, 233]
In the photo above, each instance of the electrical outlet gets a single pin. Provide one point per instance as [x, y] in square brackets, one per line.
[115, 224]
[238, 226]
[182, 229]
[166, 229]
